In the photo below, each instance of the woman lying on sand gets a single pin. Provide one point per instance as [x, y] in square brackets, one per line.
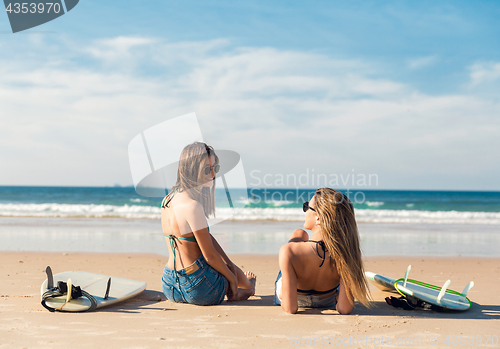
[198, 271]
[326, 271]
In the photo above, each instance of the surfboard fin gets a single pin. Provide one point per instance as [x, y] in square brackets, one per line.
[443, 291]
[467, 289]
[107, 289]
[406, 274]
[50, 278]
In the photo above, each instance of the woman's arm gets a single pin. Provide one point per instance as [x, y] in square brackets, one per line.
[221, 252]
[345, 302]
[207, 248]
[226, 260]
[289, 280]
[242, 280]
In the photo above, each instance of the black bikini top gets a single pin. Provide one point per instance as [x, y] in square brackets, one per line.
[323, 247]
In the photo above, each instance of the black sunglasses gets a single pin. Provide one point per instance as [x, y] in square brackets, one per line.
[305, 207]
[207, 169]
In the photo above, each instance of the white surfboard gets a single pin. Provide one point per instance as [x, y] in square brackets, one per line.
[96, 285]
[384, 283]
[439, 296]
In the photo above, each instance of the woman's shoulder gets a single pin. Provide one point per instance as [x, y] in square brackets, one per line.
[182, 199]
[188, 206]
[294, 249]
[184, 205]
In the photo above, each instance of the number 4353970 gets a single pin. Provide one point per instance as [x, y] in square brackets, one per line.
[26, 7]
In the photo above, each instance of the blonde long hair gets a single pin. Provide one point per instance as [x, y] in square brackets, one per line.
[187, 176]
[341, 237]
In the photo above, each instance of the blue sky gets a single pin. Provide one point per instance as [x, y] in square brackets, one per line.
[404, 90]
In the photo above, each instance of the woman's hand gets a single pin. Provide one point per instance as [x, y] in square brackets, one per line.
[232, 290]
[232, 267]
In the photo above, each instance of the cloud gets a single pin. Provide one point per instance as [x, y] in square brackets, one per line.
[68, 121]
[118, 47]
[484, 72]
[422, 62]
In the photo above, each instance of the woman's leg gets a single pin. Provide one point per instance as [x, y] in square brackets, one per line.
[247, 281]
[299, 235]
[246, 284]
[245, 293]
[243, 280]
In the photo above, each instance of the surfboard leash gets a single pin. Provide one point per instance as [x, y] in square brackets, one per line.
[62, 289]
[410, 303]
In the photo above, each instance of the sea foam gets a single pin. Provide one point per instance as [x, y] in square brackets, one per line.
[246, 214]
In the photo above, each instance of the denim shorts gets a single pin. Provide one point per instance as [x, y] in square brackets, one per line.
[310, 300]
[203, 286]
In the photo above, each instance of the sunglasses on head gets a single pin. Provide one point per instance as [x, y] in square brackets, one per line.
[207, 169]
[305, 207]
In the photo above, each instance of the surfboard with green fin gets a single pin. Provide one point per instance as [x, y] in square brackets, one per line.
[431, 294]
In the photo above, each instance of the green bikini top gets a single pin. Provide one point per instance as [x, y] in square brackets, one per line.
[173, 245]
[166, 200]
[187, 238]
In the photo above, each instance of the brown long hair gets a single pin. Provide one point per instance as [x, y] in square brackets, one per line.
[188, 172]
[341, 237]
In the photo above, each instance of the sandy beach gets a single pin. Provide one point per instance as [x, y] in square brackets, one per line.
[149, 320]
[123, 123]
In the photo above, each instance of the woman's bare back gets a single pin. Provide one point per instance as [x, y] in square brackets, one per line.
[307, 261]
[174, 222]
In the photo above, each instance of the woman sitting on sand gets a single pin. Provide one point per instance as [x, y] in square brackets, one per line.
[326, 271]
[198, 271]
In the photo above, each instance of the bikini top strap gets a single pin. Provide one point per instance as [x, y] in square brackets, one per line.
[166, 200]
[173, 246]
[186, 238]
[310, 292]
[323, 247]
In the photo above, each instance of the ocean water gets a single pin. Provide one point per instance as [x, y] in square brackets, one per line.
[108, 219]
[371, 206]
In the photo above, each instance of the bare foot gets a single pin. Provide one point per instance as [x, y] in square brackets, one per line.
[253, 280]
[245, 293]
